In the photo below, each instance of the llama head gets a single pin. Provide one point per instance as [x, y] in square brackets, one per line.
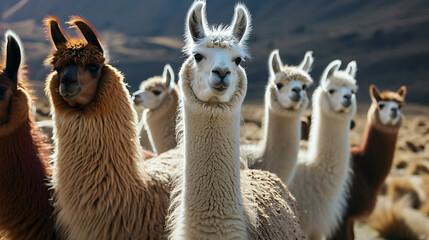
[213, 72]
[388, 104]
[78, 63]
[10, 73]
[340, 87]
[289, 83]
[153, 91]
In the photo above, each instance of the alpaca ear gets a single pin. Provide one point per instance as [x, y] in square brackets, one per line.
[13, 56]
[329, 71]
[195, 21]
[274, 63]
[402, 91]
[87, 31]
[57, 35]
[241, 23]
[168, 77]
[351, 68]
[374, 93]
[307, 62]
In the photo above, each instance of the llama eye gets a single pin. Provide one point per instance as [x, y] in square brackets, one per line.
[198, 57]
[237, 60]
[331, 91]
[304, 87]
[381, 105]
[93, 67]
[279, 86]
[156, 92]
[2, 90]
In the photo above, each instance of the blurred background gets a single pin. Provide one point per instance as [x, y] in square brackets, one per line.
[389, 39]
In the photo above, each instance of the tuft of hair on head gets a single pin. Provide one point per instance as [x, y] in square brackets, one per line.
[307, 62]
[86, 30]
[329, 71]
[14, 56]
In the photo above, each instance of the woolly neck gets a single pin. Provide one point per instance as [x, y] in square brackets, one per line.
[25, 211]
[212, 201]
[282, 133]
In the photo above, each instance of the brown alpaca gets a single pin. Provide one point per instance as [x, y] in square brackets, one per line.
[25, 210]
[102, 189]
[373, 159]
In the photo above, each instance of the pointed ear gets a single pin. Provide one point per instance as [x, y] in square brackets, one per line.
[329, 71]
[241, 23]
[55, 31]
[374, 93]
[402, 91]
[307, 62]
[13, 56]
[87, 31]
[168, 76]
[275, 64]
[195, 21]
[351, 68]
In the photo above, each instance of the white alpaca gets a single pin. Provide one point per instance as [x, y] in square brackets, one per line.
[320, 180]
[159, 96]
[215, 200]
[285, 101]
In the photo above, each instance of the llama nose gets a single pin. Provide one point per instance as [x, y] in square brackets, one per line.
[394, 112]
[136, 98]
[221, 72]
[347, 101]
[296, 94]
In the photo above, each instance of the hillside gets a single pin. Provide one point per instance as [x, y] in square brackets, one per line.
[389, 39]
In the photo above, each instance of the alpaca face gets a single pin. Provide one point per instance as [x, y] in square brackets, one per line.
[217, 54]
[9, 74]
[290, 82]
[388, 104]
[78, 64]
[153, 91]
[340, 86]
[78, 84]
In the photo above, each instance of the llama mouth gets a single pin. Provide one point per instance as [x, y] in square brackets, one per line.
[71, 96]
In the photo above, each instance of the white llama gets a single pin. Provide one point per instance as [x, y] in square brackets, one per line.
[285, 101]
[320, 180]
[159, 98]
[215, 200]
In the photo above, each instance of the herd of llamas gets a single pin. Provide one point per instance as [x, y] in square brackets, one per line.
[183, 171]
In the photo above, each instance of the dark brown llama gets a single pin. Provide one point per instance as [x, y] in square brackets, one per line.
[25, 210]
[373, 159]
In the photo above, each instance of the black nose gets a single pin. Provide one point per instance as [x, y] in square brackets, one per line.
[348, 96]
[296, 94]
[394, 112]
[296, 90]
[221, 72]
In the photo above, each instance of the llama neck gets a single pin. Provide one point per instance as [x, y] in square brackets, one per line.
[281, 143]
[212, 172]
[377, 149]
[162, 124]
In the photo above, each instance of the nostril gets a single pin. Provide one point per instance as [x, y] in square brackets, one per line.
[348, 96]
[221, 72]
[296, 89]
[394, 110]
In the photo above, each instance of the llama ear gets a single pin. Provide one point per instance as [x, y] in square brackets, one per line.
[241, 23]
[56, 33]
[329, 71]
[402, 91]
[374, 93]
[13, 56]
[351, 68]
[275, 64]
[307, 62]
[87, 31]
[168, 77]
[195, 21]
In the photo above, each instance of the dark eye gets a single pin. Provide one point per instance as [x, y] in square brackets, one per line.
[2, 90]
[156, 92]
[279, 86]
[331, 91]
[381, 105]
[93, 67]
[198, 57]
[237, 60]
[304, 87]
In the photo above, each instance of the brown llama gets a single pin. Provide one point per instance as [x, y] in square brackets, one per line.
[373, 159]
[102, 188]
[25, 210]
